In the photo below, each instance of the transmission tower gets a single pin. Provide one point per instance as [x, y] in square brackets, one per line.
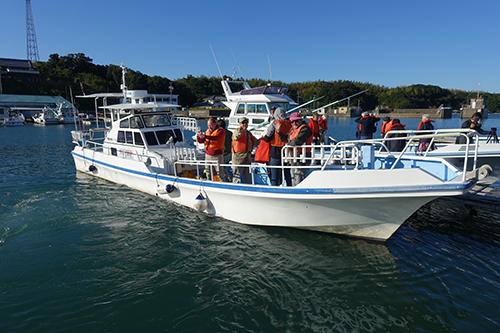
[31, 43]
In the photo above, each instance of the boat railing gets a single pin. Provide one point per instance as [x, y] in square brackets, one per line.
[185, 123]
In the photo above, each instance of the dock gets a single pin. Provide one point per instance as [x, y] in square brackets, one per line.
[482, 195]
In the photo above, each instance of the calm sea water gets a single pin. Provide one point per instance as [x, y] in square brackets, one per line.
[84, 255]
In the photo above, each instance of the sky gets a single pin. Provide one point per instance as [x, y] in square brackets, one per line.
[452, 44]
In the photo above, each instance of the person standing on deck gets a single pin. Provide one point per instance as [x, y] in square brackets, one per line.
[366, 126]
[226, 152]
[300, 134]
[323, 127]
[314, 126]
[426, 126]
[277, 135]
[214, 144]
[243, 142]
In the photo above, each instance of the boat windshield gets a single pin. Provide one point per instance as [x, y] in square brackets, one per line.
[279, 105]
[156, 120]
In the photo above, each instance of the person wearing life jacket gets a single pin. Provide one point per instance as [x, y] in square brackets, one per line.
[278, 139]
[213, 138]
[299, 135]
[396, 145]
[314, 125]
[427, 128]
[386, 126]
[243, 142]
[366, 126]
[323, 127]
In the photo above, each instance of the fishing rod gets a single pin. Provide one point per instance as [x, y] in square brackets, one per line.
[340, 100]
[289, 111]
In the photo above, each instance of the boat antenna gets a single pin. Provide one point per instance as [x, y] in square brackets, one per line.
[123, 87]
[216, 61]
[270, 71]
[242, 76]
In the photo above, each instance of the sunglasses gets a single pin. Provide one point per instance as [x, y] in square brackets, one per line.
[294, 121]
[244, 122]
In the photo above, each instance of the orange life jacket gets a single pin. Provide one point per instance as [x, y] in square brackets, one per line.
[365, 117]
[213, 144]
[286, 126]
[423, 122]
[386, 126]
[293, 135]
[240, 145]
[323, 124]
[314, 127]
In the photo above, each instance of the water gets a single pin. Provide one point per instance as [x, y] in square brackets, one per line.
[84, 255]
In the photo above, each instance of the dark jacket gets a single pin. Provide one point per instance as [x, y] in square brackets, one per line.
[366, 126]
[396, 145]
[467, 124]
[426, 126]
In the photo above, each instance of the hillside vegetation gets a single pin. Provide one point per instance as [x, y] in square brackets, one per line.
[61, 75]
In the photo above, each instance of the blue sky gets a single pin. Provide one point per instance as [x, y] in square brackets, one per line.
[451, 44]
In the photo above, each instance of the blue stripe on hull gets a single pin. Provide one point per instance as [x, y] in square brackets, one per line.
[287, 190]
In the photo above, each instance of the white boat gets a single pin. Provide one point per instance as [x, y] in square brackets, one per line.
[46, 117]
[351, 191]
[15, 118]
[66, 113]
[480, 150]
[253, 103]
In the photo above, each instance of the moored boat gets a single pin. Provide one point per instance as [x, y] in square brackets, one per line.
[348, 190]
[15, 118]
[46, 117]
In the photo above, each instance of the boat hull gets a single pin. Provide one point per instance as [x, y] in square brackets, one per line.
[375, 212]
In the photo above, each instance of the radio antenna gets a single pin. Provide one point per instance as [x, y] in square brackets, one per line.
[216, 61]
[242, 76]
[270, 71]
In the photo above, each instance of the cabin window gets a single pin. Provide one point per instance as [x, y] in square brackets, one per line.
[257, 121]
[261, 108]
[121, 137]
[151, 138]
[156, 120]
[138, 139]
[136, 122]
[178, 134]
[124, 123]
[241, 109]
[164, 136]
[279, 105]
[129, 137]
[251, 108]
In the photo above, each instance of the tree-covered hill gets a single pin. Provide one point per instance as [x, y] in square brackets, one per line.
[63, 75]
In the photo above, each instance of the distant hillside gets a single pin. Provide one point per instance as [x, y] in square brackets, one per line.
[61, 75]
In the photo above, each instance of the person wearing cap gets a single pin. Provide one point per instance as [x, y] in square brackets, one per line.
[473, 123]
[214, 144]
[366, 126]
[243, 142]
[273, 110]
[278, 140]
[386, 125]
[300, 134]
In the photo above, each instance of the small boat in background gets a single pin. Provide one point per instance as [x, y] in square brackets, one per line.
[66, 113]
[46, 117]
[15, 118]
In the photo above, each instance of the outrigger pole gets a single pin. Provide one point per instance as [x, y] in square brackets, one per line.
[289, 111]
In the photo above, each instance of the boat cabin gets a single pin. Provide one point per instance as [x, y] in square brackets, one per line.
[253, 103]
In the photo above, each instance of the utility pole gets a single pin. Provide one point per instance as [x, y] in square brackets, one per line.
[31, 44]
